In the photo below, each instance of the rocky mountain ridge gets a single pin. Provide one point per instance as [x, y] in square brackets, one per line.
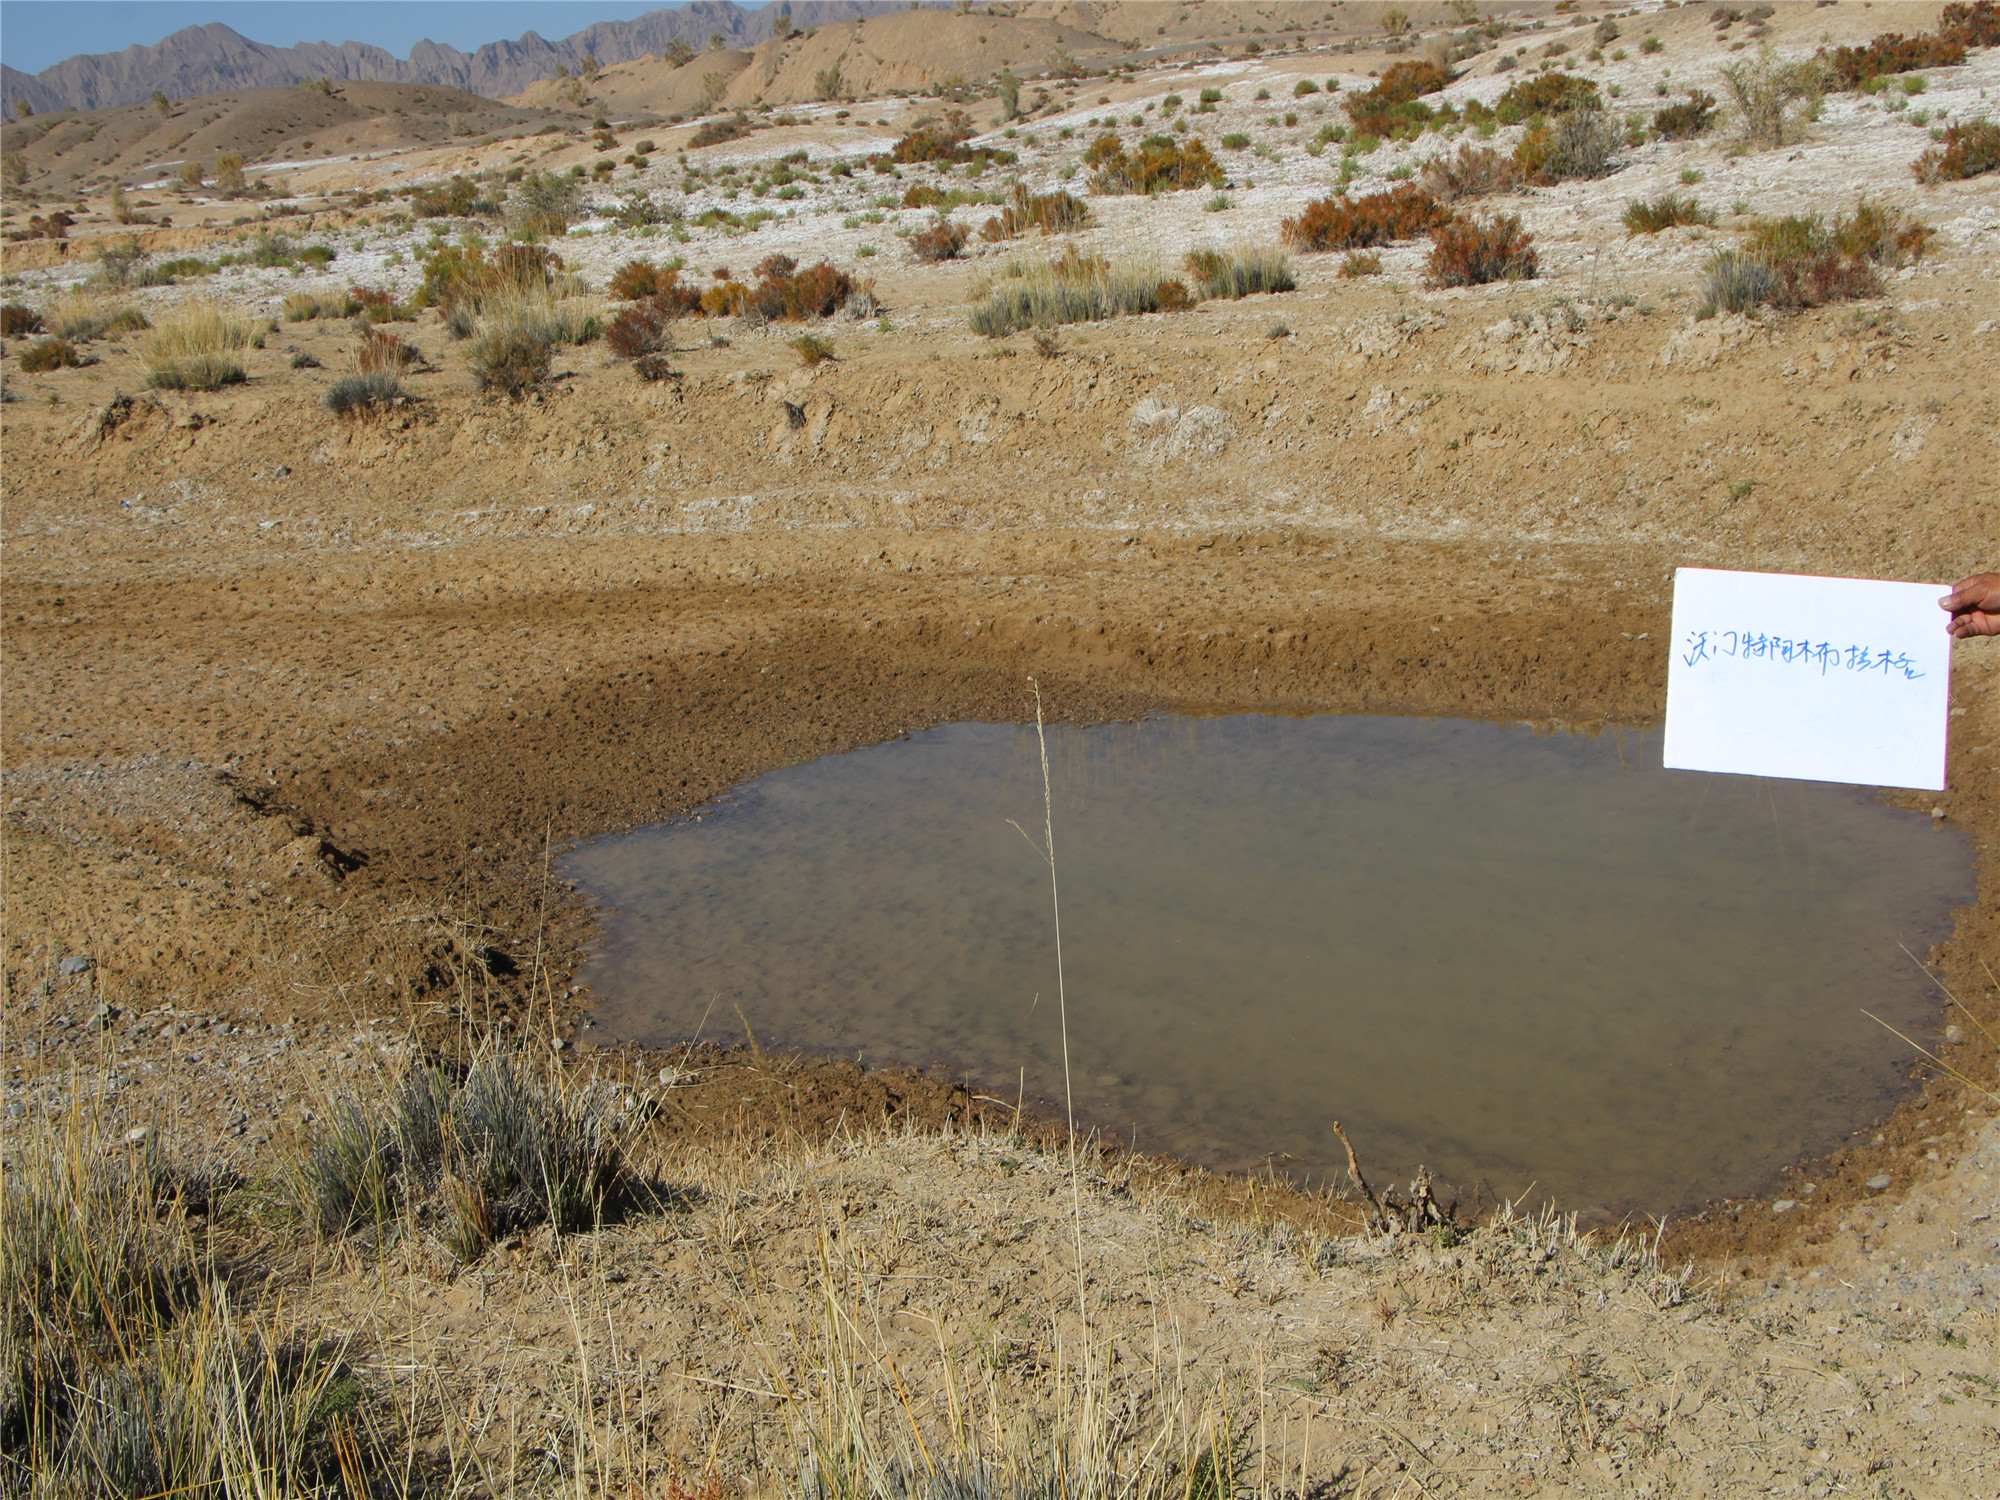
[214, 59]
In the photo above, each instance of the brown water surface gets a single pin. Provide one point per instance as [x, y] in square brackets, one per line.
[1519, 956]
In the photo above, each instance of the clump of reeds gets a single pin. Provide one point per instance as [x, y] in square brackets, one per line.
[1051, 213]
[1073, 288]
[196, 348]
[473, 1155]
[1239, 272]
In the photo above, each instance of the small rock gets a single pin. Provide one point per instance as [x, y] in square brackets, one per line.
[76, 963]
[1879, 1184]
[139, 1135]
[1953, 1034]
[1784, 1205]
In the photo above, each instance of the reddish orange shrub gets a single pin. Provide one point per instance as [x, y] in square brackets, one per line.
[1466, 252]
[1338, 223]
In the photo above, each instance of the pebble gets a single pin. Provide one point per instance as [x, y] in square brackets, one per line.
[139, 1135]
[76, 963]
[1879, 1184]
[1784, 1205]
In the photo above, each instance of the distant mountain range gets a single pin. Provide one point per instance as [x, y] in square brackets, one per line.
[213, 59]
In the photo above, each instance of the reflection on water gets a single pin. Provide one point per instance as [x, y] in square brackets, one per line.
[1511, 955]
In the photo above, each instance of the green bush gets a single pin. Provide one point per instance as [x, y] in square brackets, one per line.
[44, 355]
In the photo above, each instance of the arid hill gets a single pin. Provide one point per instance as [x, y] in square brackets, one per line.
[136, 143]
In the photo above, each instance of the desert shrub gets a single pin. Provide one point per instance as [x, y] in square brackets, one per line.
[1665, 212]
[544, 203]
[1360, 263]
[641, 278]
[941, 239]
[1809, 261]
[305, 359]
[812, 349]
[515, 336]
[196, 348]
[1474, 172]
[933, 140]
[383, 352]
[1240, 272]
[379, 305]
[644, 327]
[304, 307]
[1735, 282]
[1771, 97]
[1074, 288]
[121, 262]
[459, 198]
[1052, 213]
[1468, 252]
[1976, 24]
[1577, 144]
[1340, 223]
[459, 279]
[45, 355]
[923, 195]
[1545, 94]
[475, 1156]
[1160, 164]
[715, 132]
[655, 366]
[1392, 108]
[1894, 53]
[17, 321]
[357, 396]
[1968, 150]
[1687, 119]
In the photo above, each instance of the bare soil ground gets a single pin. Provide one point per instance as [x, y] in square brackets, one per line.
[296, 711]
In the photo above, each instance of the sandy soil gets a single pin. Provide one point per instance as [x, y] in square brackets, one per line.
[297, 711]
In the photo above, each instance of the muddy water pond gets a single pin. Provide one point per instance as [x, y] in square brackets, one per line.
[1520, 956]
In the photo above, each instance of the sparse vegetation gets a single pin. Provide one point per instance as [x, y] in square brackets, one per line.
[17, 321]
[1359, 263]
[1808, 261]
[304, 307]
[1772, 98]
[1473, 172]
[1051, 213]
[1684, 121]
[81, 315]
[515, 335]
[1393, 107]
[1159, 164]
[1470, 252]
[812, 349]
[1240, 272]
[44, 355]
[473, 1155]
[942, 239]
[197, 347]
[1968, 150]
[1575, 145]
[544, 203]
[1342, 223]
[1668, 211]
[354, 397]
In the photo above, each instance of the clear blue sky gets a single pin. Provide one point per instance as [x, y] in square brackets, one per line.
[37, 33]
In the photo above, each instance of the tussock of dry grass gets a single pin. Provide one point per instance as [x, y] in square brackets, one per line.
[195, 348]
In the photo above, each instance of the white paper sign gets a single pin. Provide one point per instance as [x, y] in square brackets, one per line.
[1818, 679]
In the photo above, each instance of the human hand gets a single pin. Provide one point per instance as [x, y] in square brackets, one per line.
[1974, 606]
